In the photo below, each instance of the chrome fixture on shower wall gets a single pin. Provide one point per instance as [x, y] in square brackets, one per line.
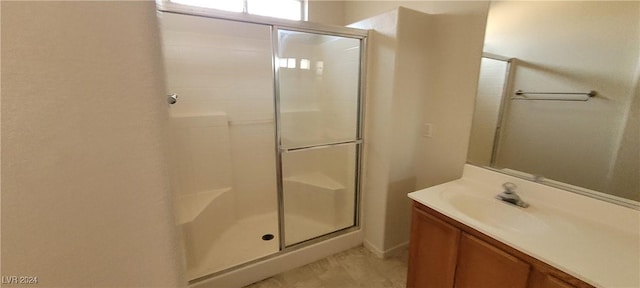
[172, 98]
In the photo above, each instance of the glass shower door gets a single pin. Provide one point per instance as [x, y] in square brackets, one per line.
[319, 132]
[222, 140]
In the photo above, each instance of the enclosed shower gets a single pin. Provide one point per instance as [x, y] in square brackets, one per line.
[266, 136]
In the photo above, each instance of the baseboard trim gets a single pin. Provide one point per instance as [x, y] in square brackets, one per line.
[396, 249]
[379, 253]
[386, 253]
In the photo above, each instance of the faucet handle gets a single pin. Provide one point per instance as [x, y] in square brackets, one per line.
[509, 187]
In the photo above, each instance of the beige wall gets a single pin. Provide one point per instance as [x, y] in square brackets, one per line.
[457, 49]
[380, 81]
[566, 46]
[411, 87]
[360, 9]
[422, 69]
[327, 12]
[85, 194]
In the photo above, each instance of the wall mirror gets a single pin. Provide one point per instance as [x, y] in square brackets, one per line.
[558, 96]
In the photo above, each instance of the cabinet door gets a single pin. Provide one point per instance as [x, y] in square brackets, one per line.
[482, 265]
[433, 252]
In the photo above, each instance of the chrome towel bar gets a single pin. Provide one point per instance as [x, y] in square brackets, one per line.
[579, 96]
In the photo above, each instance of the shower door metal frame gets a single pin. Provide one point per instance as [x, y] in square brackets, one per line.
[302, 26]
[359, 139]
[298, 26]
[508, 75]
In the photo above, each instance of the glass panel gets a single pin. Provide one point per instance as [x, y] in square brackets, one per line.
[285, 9]
[318, 88]
[222, 143]
[319, 191]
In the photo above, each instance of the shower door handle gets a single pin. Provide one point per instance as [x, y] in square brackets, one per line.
[172, 98]
[321, 146]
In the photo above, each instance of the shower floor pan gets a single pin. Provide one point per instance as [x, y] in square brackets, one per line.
[240, 243]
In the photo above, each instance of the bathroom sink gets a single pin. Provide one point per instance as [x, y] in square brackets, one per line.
[493, 212]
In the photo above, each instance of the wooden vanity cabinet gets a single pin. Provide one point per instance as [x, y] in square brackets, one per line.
[446, 253]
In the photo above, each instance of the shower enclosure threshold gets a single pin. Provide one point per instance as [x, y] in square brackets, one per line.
[284, 260]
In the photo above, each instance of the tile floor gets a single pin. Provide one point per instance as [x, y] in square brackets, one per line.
[356, 267]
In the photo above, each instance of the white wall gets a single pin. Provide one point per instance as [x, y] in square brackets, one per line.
[566, 46]
[422, 69]
[85, 193]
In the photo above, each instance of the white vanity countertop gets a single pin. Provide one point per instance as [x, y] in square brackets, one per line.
[592, 240]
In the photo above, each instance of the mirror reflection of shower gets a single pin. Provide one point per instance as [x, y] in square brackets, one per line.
[493, 84]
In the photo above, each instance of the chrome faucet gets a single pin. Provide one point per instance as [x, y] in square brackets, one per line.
[509, 195]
